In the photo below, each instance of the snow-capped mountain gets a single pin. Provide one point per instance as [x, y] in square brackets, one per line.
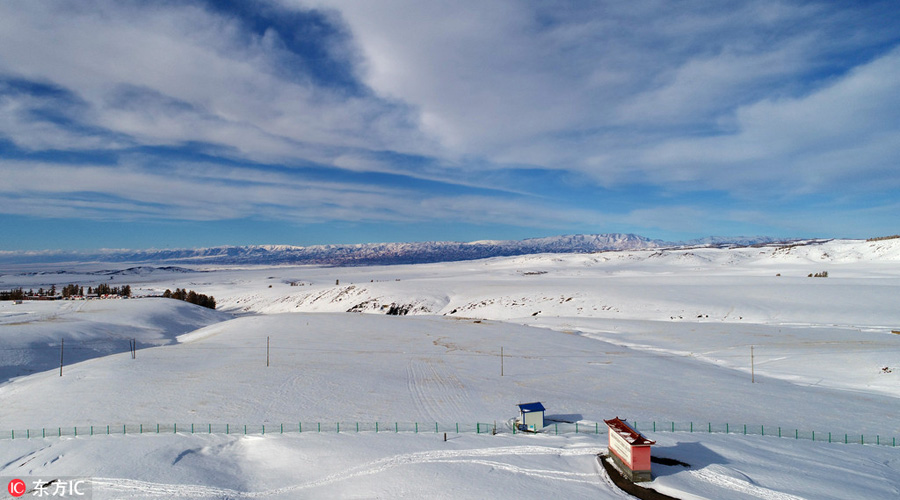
[374, 253]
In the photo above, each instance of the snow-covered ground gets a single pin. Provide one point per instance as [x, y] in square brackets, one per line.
[645, 335]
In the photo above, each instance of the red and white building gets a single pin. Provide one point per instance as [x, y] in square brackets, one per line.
[630, 450]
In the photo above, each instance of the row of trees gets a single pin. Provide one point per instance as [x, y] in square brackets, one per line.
[14, 294]
[71, 290]
[104, 289]
[50, 292]
[192, 297]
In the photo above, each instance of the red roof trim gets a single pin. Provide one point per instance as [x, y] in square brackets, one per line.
[632, 436]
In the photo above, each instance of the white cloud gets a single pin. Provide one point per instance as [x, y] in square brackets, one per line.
[839, 135]
[185, 191]
[745, 97]
[170, 75]
[18, 120]
[516, 212]
[484, 76]
[491, 78]
[634, 93]
[139, 190]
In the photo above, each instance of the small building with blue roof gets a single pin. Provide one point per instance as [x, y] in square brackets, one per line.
[531, 417]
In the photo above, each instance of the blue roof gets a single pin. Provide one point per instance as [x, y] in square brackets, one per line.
[529, 407]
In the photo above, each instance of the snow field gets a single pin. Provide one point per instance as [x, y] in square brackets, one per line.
[649, 336]
[366, 368]
[368, 465]
[31, 333]
[319, 466]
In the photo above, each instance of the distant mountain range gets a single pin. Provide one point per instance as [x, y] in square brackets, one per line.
[375, 253]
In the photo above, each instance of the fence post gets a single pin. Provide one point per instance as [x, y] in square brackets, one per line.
[596, 428]
[762, 430]
[417, 427]
[556, 427]
[845, 439]
[210, 428]
[796, 434]
[396, 427]
[814, 435]
[245, 429]
[745, 429]
[576, 427]
[339, 427]
[692, 426]
[376, 427]
[457, 427]
[779, 432]
[300, 427]
[227, 428]
[673, 426]
[710, 427]
[264, 429]
[282, 428]
[654, 426]
[726, 428]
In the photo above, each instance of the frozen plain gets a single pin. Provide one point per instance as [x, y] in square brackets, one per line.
[648, 336]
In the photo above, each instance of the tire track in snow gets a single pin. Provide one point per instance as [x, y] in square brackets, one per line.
[711, 475]
[435, 391]
[475, 457]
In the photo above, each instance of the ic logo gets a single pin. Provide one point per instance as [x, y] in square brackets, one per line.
[16, 487]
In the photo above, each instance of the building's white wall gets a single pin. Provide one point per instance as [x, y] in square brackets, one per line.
[535, 418]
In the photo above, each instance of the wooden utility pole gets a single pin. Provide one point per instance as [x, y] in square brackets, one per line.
[752, 367]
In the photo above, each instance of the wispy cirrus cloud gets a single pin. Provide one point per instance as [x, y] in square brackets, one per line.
[845, 134]
[137, 191]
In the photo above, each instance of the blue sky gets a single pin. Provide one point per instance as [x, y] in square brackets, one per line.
[127, 124]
